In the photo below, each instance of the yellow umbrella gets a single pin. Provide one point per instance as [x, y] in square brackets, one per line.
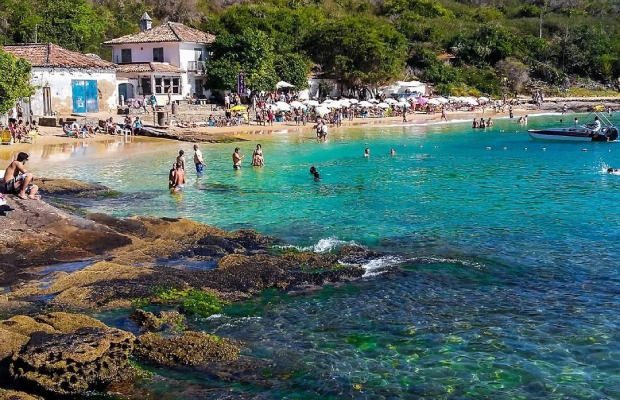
[238, 108]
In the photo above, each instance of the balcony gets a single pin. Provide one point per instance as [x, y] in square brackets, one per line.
[197, 67]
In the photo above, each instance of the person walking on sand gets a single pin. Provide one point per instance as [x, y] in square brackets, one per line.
[181, 159]
[198, 161]
[18, 180]
[443, 114]
[237, 159]
[179, 179]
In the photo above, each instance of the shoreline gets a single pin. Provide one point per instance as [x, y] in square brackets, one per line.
[230, 134]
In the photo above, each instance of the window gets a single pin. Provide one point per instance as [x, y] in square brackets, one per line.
[158, 54]
[145, 86]
[198, 54]
[163, 83]
[125, 55]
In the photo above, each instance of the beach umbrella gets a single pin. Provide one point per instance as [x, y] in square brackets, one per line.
[434, 102]
[442, 100]
[283, 84]
[282, 106]
[297, 104]
[470, 100]
[483, 99]
[364, 104]
[373, 100]
[421, 100]
[311, 103]
[238, 108]
[353, 101]
[383, 105]
[322, 111]
[391, 101]
[403, 104]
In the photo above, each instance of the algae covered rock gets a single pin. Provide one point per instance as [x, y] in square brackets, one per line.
[150, 322]
[190, 348]
[71, 363]
[69, 323]
[15, 395]
[26, 325]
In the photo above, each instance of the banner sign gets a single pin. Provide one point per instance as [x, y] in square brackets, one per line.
[241, 83]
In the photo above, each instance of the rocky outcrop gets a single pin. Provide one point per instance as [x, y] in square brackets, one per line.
[68, 323]
[70, 363]
[65, 187]
[164, 320]
[35, 233]
[15, 395]
[190, 348]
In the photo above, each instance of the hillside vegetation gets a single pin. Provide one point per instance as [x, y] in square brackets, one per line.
[500, 45]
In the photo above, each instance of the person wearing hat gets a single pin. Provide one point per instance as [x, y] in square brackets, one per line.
[18, 180]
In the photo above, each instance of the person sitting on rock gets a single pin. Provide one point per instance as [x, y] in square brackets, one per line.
[18, 180]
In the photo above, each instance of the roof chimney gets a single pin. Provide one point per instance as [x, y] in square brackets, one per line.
[145, 22]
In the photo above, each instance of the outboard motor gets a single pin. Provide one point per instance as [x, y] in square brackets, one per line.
[612, 133]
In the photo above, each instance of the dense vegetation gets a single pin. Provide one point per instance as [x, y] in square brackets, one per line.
[500, 45]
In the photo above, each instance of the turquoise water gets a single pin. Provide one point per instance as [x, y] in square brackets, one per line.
[502, 256]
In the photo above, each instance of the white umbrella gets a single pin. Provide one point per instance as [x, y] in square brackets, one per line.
[403, 104]
[442, 100]
[434, 102]
[296, 104]
[311, 103]
[383, 105]
[334, 104]
[391, 101]
[373, 100]
[483, 99]
[353, 101]
[283, 84]
[322, 111]
[470, 100]
[282, 106]
[364, 104]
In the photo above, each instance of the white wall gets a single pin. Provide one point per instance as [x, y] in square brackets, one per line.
[59, 82]
[143, 52]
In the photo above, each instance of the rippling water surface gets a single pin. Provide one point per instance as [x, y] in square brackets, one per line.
[502, 255]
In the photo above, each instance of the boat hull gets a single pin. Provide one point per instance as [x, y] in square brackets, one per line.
[570, 135]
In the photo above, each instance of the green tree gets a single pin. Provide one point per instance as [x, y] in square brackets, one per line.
[14, 80]
[294, 69]
[361, 51]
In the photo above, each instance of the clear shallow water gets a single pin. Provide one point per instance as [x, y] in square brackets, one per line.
[509, 258]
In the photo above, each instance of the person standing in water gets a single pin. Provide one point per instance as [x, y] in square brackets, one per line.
[367, 152]
[392, 152]
[257, 157]
[179, 179]
[172, 176]
[200, 163]
[443, 114]
[181, 159]
[237, 159]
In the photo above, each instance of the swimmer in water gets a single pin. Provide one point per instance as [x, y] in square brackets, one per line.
[317, 177]
[367, 152]
[179, 178]
[613, 171]
[312, 170]
[392, 152]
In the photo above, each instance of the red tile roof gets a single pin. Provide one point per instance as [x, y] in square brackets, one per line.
[148, 67]
[168, 32]
[52, 56]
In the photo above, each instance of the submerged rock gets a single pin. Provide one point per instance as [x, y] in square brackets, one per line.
[64, 187]
[164, 319]
[72, 363]
[190, 348]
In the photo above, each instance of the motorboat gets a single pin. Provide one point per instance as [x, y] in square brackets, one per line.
[579, 133]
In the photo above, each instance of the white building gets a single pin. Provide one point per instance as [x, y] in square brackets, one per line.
[153, 60]
[67, 82]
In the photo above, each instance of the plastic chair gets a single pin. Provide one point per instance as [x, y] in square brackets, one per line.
[6, 137]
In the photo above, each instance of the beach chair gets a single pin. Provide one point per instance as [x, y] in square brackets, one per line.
[6, 137]
[31, 137]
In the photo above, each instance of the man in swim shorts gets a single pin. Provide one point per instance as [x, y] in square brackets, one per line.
[17, 179]
[179, 179]
[237, 159]
[200, 163]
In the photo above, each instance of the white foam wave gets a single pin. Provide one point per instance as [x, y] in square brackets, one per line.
[322, 246]
[380, 265]
[433, 260]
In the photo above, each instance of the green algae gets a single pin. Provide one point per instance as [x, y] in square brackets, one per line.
[191, 300]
